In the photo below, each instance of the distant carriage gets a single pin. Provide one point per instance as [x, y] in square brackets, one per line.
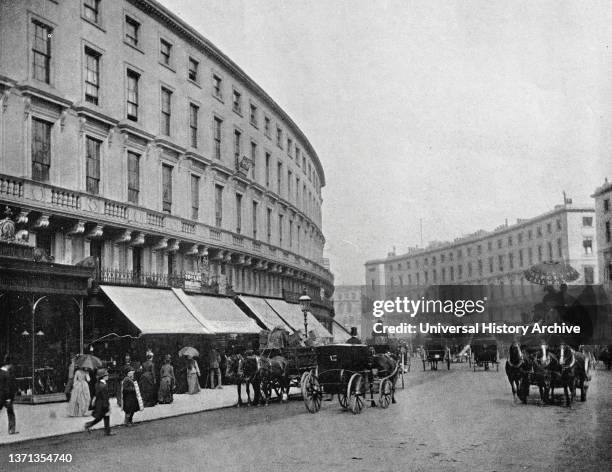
[484, 353]
[434, 352]
[349, 371]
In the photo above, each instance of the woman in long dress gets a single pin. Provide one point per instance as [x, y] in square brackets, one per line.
[131, 399]
[167, 382]
[193, 376]
[80, 397]
[148, 382]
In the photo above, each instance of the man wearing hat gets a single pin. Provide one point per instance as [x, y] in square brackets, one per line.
[101, 404]
[354, 339]
[7, 392]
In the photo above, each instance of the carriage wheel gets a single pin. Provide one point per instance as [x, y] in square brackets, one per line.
[355, 393]
[311, 392]
[343, 400]
[386, 393]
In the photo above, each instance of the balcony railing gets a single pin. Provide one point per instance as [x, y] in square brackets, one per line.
[187, 280]
[20, 251]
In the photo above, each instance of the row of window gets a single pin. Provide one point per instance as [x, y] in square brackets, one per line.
[418, 280]
[41, 53]
[509, 259]
[587, 221]
[41, 163]
[132, 37]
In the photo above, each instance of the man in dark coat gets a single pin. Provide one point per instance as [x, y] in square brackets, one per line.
[353, 339]
[8, 388]
[101, 405]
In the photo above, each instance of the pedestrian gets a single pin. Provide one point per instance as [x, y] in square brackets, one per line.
[213, 367]
[167, 381]
[148, 381]
[193, 376]
[122, 371]
[71, 371]
[8, 387]
[101, 404]
[80, 398]
[131, 400]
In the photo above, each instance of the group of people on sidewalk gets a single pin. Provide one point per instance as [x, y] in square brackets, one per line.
[142, 386]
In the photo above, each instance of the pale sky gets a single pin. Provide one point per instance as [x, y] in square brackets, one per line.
[461, 114]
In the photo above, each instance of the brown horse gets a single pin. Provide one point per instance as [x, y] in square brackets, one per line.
[536, 371]
[563, 373]
[244, 370]
[386, 365]
[515, 366]
[273, 375]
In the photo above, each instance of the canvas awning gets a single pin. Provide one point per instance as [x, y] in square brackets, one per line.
[293, 315]
[264, 312]
[154, 311]
[218, 314]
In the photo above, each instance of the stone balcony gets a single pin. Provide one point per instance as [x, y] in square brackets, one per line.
[80, 206]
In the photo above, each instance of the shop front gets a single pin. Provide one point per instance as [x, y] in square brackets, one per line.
[42, 308]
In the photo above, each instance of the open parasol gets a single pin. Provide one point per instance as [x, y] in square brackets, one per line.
[88, 361]
[189, 351]
[551, 273]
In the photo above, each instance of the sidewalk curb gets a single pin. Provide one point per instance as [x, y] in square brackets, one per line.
[122, 426]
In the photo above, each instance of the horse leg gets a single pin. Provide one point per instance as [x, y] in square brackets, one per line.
[568, 401]
[511, 380]
[239, 387]
[523, 389]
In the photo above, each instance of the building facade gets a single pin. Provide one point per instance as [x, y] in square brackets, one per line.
[128, 137]
[603, 218]
[347, 306]
[495, 260]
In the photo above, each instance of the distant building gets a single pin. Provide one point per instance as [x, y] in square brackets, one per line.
[496, 259]
[347, 306]
[603, 218]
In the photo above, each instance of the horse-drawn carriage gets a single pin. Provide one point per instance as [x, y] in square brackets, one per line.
[434, 352]
[484, 353]
[300, 359]
[547, 367]
[349, 371]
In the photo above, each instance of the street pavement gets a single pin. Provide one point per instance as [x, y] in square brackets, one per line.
[454, 420]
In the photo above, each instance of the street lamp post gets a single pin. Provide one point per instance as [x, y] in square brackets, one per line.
[305, 304]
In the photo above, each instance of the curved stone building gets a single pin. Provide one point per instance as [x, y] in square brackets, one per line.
[125, 135]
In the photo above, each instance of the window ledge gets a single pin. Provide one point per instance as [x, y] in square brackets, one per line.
[220, 98]
[193, 82]
[167, 66]
[133, 47]
[93, 23]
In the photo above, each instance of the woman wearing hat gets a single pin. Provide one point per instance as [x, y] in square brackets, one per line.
[167, 381]
[80, 398]
[148, 381]
[130, 396]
